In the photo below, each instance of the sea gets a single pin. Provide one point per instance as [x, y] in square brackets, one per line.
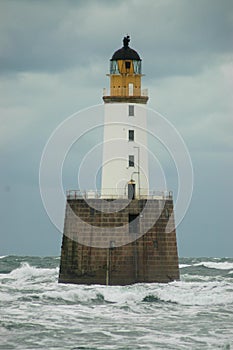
[38, 313]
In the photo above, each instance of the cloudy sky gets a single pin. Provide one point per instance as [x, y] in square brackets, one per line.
[54, 56]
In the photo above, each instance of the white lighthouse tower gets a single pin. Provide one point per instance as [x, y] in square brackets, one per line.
[119, 242]
[125, 155]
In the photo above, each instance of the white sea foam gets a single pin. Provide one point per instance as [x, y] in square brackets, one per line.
[193, 313]
[3, 256]
[26, 271]
[71, 293]
[216, 265]
[200, 278]
[203, 291]
[183, 293]
[181, 266]
[30, 275]
[196, 293]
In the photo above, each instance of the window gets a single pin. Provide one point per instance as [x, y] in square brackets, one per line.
[92, 211]
[133, 223]
[131, 135]
[137, 67]
[166, 213]
[127, 64]
[131, 161]
[131, 110]
[114, 67]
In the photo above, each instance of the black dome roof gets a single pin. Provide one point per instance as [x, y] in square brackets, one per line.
[126, 53]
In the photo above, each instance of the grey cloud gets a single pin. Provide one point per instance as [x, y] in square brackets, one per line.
[174, 38]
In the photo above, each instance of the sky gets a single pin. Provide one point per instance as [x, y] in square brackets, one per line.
[54, 57]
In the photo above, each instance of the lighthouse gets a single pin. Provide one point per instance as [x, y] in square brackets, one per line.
[125, 155]
[125, 232]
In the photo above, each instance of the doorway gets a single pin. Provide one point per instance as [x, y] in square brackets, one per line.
[131, 190]
[130, 89]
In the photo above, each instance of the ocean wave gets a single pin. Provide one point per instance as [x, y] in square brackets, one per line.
[182, 293]
[195, 288]
[27, 272]
[74, 295]
[3, 256]
[181, 266]
[193, 313]
[155, 299]
[197, 293]
[216, 265]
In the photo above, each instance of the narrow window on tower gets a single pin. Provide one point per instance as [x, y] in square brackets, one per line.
[133, 223]
[127, 64]
[131, 110]
[131, 161]
[131, 135]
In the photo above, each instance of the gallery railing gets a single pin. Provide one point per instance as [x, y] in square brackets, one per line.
[117, 194]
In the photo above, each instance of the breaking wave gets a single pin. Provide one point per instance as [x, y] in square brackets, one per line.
[161, 316]
[216, 265]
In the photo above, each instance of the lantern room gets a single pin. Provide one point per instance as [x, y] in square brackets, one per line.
[125, 72]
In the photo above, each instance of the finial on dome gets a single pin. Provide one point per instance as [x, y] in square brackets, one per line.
[126, 41]
[126, 52]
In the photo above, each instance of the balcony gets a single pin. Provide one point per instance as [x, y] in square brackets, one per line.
[113, 194]
[122, 95]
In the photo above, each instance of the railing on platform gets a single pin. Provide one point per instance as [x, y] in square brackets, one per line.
[119, 194]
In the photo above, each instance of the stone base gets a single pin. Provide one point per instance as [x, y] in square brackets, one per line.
[109, 251]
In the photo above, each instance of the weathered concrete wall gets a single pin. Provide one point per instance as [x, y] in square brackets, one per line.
[152, 257]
